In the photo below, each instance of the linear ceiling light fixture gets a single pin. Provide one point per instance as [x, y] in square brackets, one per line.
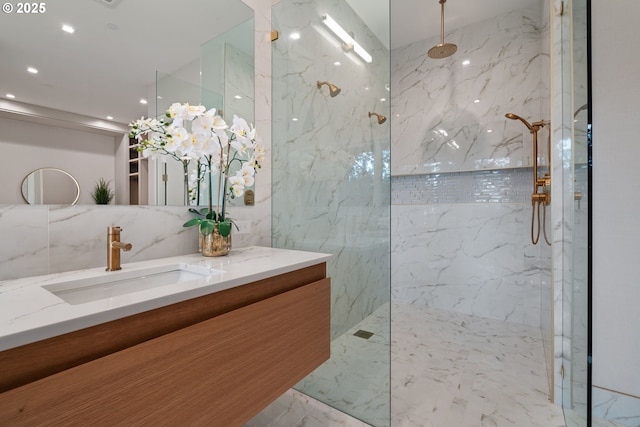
[346, 38]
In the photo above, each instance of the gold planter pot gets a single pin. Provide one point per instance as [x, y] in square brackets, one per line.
[214, 244]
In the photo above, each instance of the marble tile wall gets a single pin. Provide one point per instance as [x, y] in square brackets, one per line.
[330, 160]
[466, 254]
[454, 119]
[53, 239]
[461, 185]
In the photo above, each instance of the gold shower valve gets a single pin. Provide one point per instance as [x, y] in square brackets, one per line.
[541, 198]
[545, 181]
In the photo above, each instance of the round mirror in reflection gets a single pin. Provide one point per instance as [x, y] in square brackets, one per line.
[50, 186]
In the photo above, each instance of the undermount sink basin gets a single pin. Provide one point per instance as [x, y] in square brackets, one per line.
[125, 282]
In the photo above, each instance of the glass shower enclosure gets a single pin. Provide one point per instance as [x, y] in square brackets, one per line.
[575, 172]
[331, 186]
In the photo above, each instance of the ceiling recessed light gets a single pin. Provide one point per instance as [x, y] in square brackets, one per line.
[337, 63]
[109, 117]
[32, 70]
[295, 119]
[476, 101]
[10, 95]
[383, 99]
[143, 101]
[294, 36]
[68, 29]
[159, 97]
[489, 131]
[237, 97]
[466, 62]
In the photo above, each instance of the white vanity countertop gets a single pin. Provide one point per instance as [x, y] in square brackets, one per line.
[30, 313]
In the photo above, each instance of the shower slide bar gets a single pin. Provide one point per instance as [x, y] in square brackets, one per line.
[541, 195]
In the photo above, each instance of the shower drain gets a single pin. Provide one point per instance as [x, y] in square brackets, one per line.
[363, 334]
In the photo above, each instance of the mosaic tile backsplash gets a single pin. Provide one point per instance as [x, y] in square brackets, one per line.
[494, 186]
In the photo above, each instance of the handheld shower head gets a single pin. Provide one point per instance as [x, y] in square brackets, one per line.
[333, 89]
[380, 117]
[516, 117]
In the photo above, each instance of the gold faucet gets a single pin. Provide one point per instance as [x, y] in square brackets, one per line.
[113, 248]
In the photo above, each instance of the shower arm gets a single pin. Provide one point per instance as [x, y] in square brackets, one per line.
[442, 21]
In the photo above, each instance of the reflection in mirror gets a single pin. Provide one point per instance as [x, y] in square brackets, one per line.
[93, 80]
[50, 186]
[225, 82]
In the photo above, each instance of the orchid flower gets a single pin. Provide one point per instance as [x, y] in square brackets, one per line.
[190, 132]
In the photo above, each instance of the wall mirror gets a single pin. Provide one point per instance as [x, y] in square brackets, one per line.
[226, 83]
[97, 60]
[50, 186]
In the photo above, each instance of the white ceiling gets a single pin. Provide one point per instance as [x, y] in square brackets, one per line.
[106, 66]
[413, 20]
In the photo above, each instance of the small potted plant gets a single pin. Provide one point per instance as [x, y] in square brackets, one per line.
[101, 193]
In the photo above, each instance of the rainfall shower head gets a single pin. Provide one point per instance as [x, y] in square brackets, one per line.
[442, 50]
[380, 117]
[333, 89]
[516, 117]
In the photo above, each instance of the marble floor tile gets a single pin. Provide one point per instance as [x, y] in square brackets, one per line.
[454, 369]
[579, 419]
[356, 378]
[295, 409]
[447, 369]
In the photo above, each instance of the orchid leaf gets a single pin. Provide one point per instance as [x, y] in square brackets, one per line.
[191, 222]
[224, 228]
[206, 227]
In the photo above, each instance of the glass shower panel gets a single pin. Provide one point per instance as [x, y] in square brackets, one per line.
[575, 320]
[331, 187]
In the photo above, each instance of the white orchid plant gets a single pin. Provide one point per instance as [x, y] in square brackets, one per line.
[191, 132]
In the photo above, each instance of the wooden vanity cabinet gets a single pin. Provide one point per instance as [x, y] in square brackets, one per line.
[215, 360]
